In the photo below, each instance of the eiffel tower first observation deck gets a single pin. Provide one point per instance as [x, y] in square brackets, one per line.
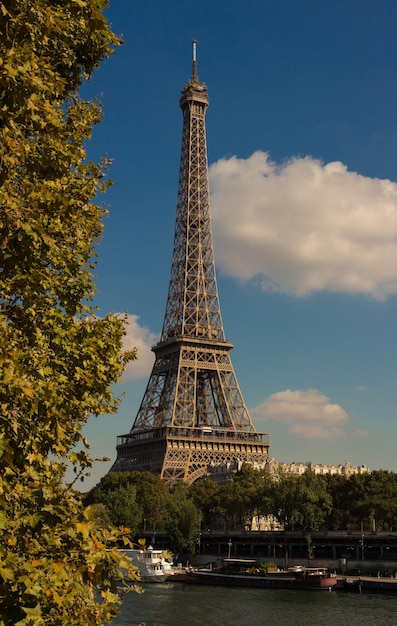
[192, 414]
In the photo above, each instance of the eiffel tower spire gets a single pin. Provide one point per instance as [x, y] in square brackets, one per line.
[192, 413]
[193, 304]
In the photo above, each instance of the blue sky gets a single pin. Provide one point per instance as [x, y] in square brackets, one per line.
[302, 144]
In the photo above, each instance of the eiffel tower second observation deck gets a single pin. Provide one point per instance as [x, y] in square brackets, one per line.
[192, 414]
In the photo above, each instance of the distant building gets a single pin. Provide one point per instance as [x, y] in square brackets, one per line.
[224, 472]
[318, 468]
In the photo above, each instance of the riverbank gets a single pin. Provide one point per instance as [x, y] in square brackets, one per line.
[340, 567]
[342, 552]
[350, 547]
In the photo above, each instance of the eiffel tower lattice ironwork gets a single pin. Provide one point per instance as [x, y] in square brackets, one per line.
[192, 414]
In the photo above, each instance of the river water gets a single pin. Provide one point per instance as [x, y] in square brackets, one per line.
[181, 604]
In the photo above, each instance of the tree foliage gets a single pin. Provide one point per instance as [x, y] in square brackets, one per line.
[153, 495]
[207, 496]
[183, 520]
[123, 508]
[306, 502]
[301, 502]
[58, 359]
[147, 500]
[252, 494]
[367, 500]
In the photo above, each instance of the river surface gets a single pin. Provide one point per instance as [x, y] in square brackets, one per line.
[181, 604]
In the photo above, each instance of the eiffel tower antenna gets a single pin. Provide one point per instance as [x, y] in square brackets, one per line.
[194, 61]
[192, 414]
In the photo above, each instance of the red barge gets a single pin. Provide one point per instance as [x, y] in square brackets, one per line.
[247, 573]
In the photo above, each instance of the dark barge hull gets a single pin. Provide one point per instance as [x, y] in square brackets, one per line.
[266, 581]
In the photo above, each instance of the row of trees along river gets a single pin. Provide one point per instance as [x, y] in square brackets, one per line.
[309, 502]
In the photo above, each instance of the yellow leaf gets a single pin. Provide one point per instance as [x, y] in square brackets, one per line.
[7, 374]
[28, 391]
[83, 528]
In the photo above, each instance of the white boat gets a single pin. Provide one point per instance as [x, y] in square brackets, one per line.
[152, 565]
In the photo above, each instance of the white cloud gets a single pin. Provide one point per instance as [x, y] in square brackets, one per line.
[361, 433]
[304, 226]
[306, 413]
[142, 339]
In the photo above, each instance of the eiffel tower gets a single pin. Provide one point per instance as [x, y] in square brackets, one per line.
[192, 414]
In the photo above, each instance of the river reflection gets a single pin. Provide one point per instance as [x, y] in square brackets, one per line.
[180, 604]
